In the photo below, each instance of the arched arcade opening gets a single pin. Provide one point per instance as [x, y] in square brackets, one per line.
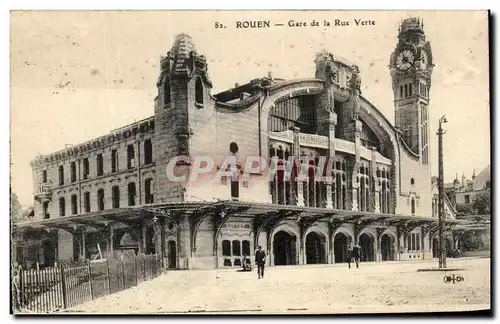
[367, 244]
[315, 248]
[340, 243]
[284, 248]
[387, 247]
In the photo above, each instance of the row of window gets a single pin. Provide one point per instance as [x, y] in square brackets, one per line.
[314, 192]
[406, 90]
[424, 91]
[115, 199]
[235, 248]
[148, 159]
[413, 242]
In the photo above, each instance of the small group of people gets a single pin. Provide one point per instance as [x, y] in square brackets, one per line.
[353, 255]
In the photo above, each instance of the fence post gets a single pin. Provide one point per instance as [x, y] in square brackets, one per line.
[90, 279]
[20, 290]
[109, 278]
[123, 275]
[63, 286]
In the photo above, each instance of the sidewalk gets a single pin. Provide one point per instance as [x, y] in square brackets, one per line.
[374, 287]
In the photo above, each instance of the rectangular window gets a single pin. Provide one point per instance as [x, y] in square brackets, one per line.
[86, 168]
[74, 205]
[131, 194]
[417, 239]
[130, 156]
[73, 171]
[148, 191]
[99, 165]
[46, 213]
[114, 160]
[148, 152]
[100, 199]
[62, 207]
[115, 193]
[86, 201]
[44, 176]
[61, 175]
[467, 199]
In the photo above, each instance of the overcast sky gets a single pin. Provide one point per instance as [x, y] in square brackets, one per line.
[78, 75]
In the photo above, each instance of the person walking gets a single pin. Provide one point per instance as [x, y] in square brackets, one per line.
[260, 261]
[356, 254]
[349, 255]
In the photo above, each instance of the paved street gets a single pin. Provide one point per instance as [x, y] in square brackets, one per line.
[374, 287]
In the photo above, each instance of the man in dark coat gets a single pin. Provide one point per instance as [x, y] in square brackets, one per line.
[260, 261]
[349, 255]
[356, 254]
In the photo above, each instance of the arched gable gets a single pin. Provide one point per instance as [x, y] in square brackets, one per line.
[381, 126]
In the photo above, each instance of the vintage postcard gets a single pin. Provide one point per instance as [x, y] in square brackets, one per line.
[250, 162]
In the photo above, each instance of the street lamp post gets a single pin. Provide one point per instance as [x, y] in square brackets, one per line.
[442, 245]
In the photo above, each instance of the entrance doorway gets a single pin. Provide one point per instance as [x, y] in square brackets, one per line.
[315, 248]
[340, 247]
[367, 243]
[284, 248]
[387, 248]
[172, 255]
[435, 248]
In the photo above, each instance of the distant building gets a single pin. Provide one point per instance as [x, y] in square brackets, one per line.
[461, 193]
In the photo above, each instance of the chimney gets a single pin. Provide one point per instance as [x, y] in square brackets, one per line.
[270, 75]
[236, 85]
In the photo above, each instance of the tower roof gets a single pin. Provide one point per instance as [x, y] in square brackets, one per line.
[183, 45]
[413, 24]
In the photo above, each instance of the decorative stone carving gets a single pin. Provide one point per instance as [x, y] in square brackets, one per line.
[355, 92]
[332, 70]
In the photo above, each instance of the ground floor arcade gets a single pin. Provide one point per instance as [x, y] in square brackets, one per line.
[219, 234]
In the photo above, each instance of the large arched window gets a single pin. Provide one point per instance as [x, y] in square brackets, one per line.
[290, 112]
[339, 185]
[364, 201]
[199, 91]
[283, 185]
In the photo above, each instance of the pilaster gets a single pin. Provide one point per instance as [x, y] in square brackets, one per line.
[296, 154]
[332, 122]
[183, 243]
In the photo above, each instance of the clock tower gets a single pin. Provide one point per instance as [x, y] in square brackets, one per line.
[411, 70]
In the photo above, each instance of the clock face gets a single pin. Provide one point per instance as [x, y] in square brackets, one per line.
[405, 59]
[424, 60]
